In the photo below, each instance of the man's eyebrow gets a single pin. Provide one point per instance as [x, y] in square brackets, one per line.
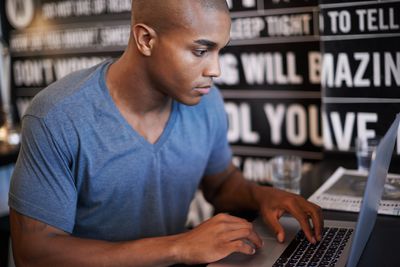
[208, 43]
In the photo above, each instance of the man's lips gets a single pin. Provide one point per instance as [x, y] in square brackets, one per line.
[203, 90]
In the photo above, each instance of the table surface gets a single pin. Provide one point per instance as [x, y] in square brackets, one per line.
[383, 247]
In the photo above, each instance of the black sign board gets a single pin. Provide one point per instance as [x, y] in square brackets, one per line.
[360, 70]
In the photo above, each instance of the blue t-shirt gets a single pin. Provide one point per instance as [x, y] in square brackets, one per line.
[83, 169]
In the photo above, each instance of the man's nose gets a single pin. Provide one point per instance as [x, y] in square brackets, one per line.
[213, 68]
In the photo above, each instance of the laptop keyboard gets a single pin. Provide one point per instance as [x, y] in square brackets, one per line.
[300, 252]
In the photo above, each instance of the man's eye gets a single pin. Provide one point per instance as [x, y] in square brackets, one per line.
[200, 52]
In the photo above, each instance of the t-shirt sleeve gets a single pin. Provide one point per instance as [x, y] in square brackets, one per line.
[42, 186]
[221, 154]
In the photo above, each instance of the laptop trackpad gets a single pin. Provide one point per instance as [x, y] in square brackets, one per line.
[271, 250]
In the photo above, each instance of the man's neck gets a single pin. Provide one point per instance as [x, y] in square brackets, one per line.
[131, 89]
[143, 107]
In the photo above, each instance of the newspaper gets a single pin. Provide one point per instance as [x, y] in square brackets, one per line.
[345, 188]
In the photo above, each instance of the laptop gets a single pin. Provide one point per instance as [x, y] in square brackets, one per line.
[343, 241]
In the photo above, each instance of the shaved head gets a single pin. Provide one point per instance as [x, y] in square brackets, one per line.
[164, 15]
[173, 49]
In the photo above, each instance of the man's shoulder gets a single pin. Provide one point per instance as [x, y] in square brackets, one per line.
[64, 89]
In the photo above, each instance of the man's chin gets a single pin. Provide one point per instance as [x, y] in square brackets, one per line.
[192, 101]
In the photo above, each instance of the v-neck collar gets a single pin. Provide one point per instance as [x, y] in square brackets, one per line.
[114, 109]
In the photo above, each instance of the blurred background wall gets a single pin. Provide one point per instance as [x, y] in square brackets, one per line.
[299, 77]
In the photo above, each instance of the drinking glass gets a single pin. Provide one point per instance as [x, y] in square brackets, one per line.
[286, 173]
[365, 149]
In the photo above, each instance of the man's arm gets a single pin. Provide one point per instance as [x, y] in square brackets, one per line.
[229, 191]
[38, 244]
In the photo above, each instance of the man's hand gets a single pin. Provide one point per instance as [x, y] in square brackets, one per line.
[217, 238]
[274, 203]
[230, 191]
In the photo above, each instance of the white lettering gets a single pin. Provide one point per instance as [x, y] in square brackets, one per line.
[296, 125]
[247, 28]
[234, 122]
[327, 71]
[314, 67]
[293, 77]
[256, 170]
[338, 74]
[229, 70]
[245, 3]
[328, 141]
[28, 73]
[275, 118]
[237, 161]
[343, 71]
[364, 58]
[343, 131]
[75, 39]
[281, 78]
[64, 67]
[270, 68]
[340, 21]
[115, 36]
[240, 124]
[361, 20]
[373, 19]
[118, 6]
[254, 68]
[99, 6]
[297, 129]
[289, 25]
[315, 132]
[249, 3]
[345, 21]
[342, 134]
[392, 69]
[362, 120]
[376, 69]
[42, 72]
[333, 16]
[248, 136]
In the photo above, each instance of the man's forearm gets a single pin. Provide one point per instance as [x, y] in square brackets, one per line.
[64, 250]
[38, 244]
[236, 194]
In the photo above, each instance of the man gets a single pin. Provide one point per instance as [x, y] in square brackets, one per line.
[111, 156]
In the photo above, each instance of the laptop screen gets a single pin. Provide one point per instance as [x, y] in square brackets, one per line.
[373, 192]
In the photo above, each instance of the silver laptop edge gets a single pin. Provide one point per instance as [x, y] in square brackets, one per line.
[373, 192]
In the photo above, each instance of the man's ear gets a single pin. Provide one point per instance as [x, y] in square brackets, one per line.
[144, 37]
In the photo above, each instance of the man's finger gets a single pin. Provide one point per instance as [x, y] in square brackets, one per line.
[242, 246]
[303, 218]
[245, 234]
[317, 220]
[272, 220]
